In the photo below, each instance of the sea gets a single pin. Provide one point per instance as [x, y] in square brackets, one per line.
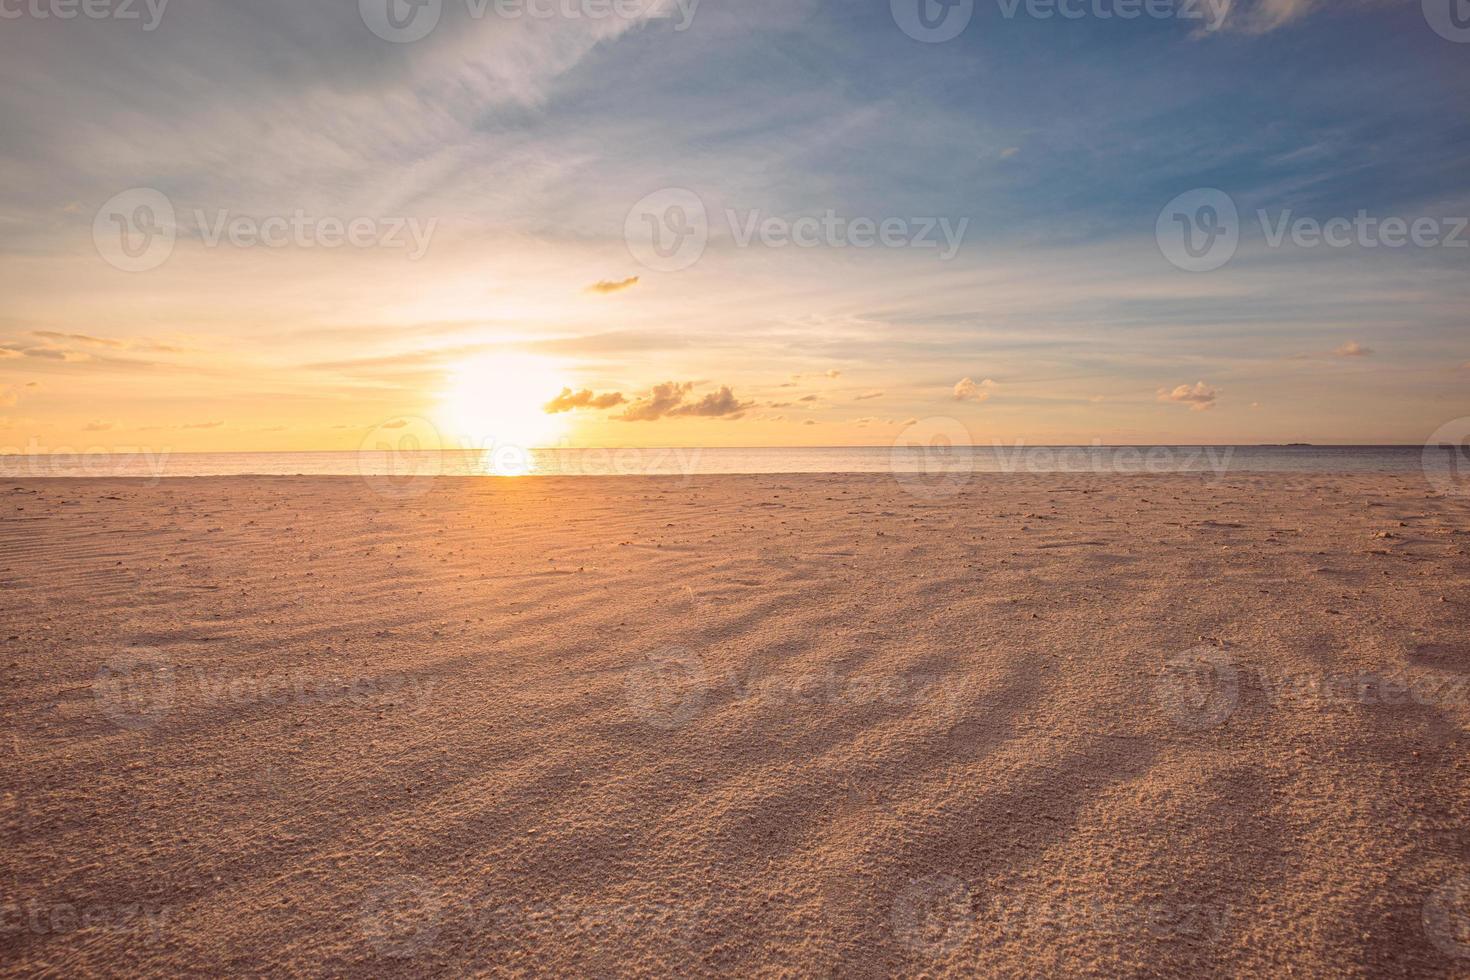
[1452, 462]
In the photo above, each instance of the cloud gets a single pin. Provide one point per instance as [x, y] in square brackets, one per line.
[868, 396]
[1256, 16]
[613, 286]
[809, 422]
[9, 352]
[111, 342]
[79, 338]
[55, 354]
[1200, 397]
[1353, 349]
[570, 400]
[968, 391]
[720, 404]
[667, 400]
[97, 426]
[807, 398]
[660, 401]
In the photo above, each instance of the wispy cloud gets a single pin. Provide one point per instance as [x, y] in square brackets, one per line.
[613, 286]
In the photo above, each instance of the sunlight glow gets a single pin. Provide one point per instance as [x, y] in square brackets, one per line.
[495, 403]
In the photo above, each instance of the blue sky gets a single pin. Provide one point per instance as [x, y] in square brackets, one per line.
[524, 143]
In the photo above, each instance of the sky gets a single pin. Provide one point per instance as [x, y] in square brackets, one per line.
[278, 225]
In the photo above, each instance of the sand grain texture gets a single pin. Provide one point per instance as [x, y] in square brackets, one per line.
[751, 726]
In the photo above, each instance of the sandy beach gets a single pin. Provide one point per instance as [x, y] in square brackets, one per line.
[1065, 724]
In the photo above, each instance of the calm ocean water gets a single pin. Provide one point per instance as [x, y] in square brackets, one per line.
[683, 462]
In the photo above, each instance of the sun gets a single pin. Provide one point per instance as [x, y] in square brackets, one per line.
[498, 400]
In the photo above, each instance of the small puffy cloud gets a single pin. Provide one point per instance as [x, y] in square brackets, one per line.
[720, 404]
[660, 400]
[569, 400]
[807, 398]
[97, 426]
[1353, 349]
[613, 285]
[966, 390]
[668, 400]
[395, 424]
[1199, 396]
[834, 373]
[809, 422]
[1009, 152]
[868, 396]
